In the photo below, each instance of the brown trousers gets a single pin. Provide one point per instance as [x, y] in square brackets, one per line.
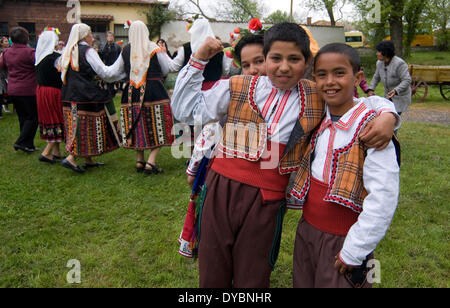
[314, 258]
[237, 231]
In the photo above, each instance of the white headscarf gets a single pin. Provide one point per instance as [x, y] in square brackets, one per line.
[46, 45]
[199, 31]
[70, 54]
[142, 49]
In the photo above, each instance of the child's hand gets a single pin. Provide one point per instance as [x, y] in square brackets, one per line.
[341, 267]
[209, 49]
[190, 180]
[378, 133]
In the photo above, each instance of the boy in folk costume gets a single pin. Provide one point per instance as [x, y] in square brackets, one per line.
[239, 238]
[248, 55]
[349, 191]
[89, 112]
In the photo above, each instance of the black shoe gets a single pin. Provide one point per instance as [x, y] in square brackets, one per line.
[67, 164]
[86, 165]
[153, 169]
[25, 149]
[44, 159]
[142, 168]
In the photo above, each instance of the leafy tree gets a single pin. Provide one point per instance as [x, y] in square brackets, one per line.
[242, 10]
[438, 12]
[277, 17]
[326, 5]
[413, 14]
[156, 17]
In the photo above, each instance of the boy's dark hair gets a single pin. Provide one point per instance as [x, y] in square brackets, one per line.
[19, 35]
[257, 39]
[350, 52]
[287, 32]
[386, 48]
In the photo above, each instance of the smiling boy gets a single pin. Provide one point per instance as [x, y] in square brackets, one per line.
[244, 202]
[349, 191]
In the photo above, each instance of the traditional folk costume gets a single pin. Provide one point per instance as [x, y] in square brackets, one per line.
[266, 132]
[48, 92]
[88, 110]
[349, 195]
[146, 116]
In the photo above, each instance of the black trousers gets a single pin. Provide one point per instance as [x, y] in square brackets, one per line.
[26, 109]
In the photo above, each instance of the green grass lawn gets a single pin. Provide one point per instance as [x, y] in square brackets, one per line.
[123, 226]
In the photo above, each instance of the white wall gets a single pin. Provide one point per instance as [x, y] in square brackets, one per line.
[176, 35]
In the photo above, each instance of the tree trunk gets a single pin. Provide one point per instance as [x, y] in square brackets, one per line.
[329, 7]
[396, 25]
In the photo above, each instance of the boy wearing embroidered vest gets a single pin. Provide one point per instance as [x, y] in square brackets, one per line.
[268, 125]
[349, 192]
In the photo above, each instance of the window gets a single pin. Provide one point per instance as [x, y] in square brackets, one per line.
[4, 30]
[121, 34]
[31, 28]
[350, 39]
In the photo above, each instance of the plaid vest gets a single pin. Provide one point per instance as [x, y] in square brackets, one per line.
[346, 183]
[245, 133]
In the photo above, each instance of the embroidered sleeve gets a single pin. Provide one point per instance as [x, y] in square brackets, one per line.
[382, 105]
[189, 102]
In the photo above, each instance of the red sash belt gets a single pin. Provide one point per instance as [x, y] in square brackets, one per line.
[270, 181]
[326, 216]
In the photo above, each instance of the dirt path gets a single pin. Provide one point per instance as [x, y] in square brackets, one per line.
[427, 115]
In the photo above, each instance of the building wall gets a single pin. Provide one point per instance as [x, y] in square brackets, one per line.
[121, 12]
[54, 14]
[43, 13]
[176, 35]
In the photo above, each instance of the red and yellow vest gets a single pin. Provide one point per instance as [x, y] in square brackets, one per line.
[346, 182]
[244, 146]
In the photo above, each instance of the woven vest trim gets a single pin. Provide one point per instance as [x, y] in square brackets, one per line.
[247, 129]
[338, 192]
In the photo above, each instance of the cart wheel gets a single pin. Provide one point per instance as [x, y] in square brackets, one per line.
[445, 90]
[419, 89]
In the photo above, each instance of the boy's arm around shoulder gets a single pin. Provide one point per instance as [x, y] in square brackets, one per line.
[378, 133]
[381, 181]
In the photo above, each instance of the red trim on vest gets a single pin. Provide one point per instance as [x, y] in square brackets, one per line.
[270, 181]
[326, 216]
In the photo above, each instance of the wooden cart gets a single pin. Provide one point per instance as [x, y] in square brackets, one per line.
[424, 75]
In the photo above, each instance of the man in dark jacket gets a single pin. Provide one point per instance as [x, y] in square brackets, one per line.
[109, 52]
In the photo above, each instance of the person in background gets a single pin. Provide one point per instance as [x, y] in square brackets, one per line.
[163, 45]
[19, 61]
[48, 96]
[89, 114]
[393, 73]
[363, 85]
[4, 43]
[146, 115]
[109, 52]
[59, 48]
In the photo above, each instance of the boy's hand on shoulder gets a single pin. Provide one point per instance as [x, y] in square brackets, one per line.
[378, 133]
[209, 49]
